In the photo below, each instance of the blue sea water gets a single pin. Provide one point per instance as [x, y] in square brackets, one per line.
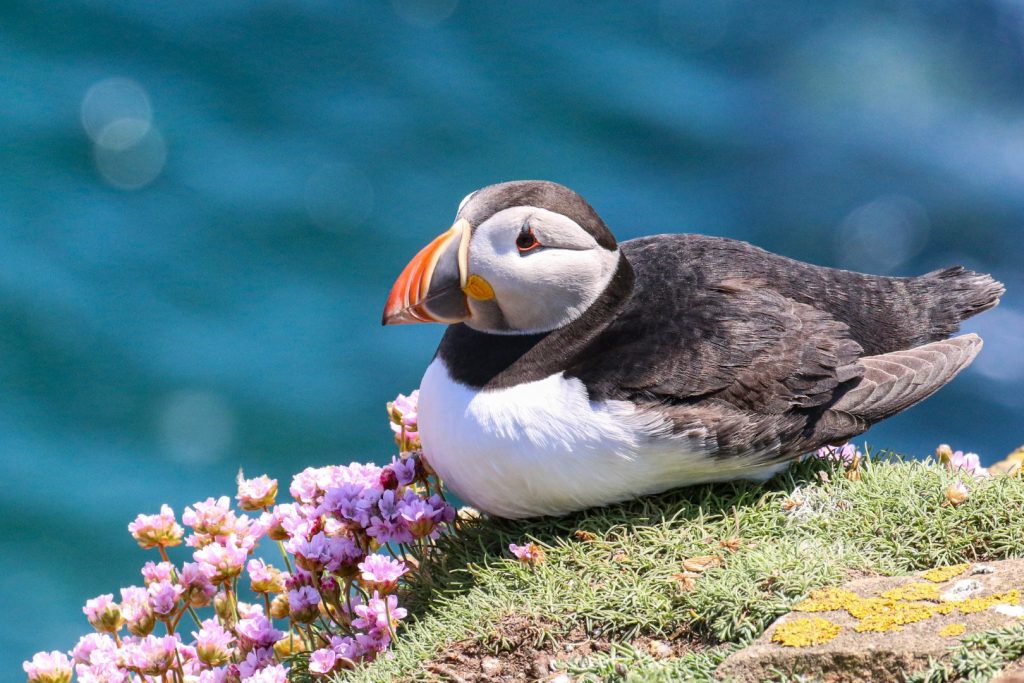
[204, 205]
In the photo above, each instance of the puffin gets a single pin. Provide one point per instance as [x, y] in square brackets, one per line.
[577, 371]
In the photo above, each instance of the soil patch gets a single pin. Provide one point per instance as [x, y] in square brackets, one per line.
[526, 648]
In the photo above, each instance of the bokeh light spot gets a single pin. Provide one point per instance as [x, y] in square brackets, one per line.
[112, 100]
[881, 235]
[126, 161]
[1001, 360]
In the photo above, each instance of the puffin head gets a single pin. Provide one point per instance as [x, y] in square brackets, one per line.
[522, 257]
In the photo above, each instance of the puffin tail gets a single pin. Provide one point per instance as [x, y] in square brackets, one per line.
[955, 294]
[894, 381]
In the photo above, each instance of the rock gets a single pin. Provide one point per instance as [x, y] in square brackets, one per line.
[541, 666]
[882, 628]
[490, 666]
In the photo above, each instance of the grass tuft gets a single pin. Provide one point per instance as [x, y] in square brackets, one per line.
[620, 579]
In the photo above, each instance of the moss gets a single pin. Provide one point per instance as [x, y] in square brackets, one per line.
[943, 574]
[805, 631]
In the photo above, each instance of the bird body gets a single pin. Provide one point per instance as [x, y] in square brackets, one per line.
[577, 371]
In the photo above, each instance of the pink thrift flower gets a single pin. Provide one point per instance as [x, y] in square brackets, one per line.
[530, 553]
[322, 662]
[195, 579]
[153, 572]
[256, 494]
[379, 614]
[255, 661]
[103, 613]
[968, 462]
[403, 413]
[257, 632]
[303, 603]
[136, 610]
[264, 577]
[48, 667]
[419, 516]
[404, 469]
[345, 647]
[380, 573]
[249, 610]
[95, 645]
[844, 454]
[305, 488]
[213, 643]
[274, 673]
[163, 598]
[225, 561]
[273, 521]
[157, 530]
[152, 655]
[210, 517]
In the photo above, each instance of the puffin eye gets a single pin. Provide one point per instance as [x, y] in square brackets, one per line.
[526, 241]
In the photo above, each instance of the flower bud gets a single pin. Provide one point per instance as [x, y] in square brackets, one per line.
[224, 608]
[388, 479]
[944, 454]
[279, 606]
[104, 614]
[142, 625]
[304, 604]
[957, 493]
[289, 645]
[329, 588]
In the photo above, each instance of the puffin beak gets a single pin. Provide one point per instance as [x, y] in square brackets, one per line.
[430, 288]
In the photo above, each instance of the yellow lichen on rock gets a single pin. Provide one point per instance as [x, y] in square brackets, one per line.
[826, 600]
[896, 607]
[952, 630]
[914, 591]
[941, 574]
[806, 631]
[971, 605]
[893, 616]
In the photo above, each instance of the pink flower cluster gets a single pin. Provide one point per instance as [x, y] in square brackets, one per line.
[335, 602]
[845, 454]
[403, 413]
[958, 461]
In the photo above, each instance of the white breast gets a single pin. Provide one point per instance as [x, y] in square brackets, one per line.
[543, 448]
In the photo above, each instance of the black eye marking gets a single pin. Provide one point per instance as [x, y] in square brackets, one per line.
[526, 241]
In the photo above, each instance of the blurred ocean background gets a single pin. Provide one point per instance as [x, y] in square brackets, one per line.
[204, 205]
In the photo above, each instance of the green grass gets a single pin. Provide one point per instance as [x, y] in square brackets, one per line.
[620, 586]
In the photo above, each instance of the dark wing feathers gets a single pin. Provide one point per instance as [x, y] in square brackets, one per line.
[895, 381]
[772, 357]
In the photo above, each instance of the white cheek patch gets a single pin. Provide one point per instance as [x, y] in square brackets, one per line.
[548, 287]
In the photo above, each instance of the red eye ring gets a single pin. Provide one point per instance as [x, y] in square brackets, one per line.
[526, 241]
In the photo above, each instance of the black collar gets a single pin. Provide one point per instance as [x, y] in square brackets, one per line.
[498, 361]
